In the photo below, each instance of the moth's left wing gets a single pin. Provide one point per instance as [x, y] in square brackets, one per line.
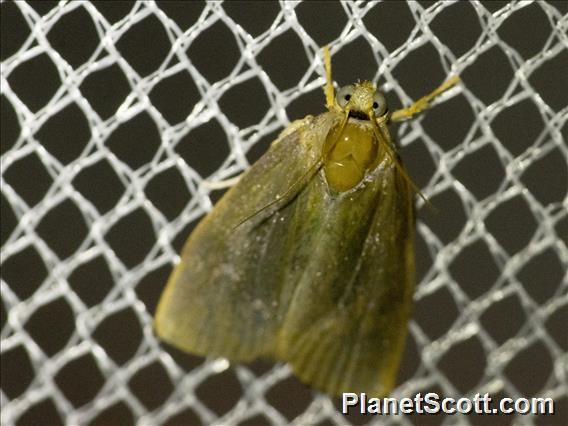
[223, 298]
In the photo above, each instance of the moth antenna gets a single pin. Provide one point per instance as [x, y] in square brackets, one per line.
[316, 166]
[341, 128]
[393, 158]
[330, 103]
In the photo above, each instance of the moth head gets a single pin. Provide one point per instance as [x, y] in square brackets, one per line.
[361, 100]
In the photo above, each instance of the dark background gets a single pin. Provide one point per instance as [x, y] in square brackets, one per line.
[474, 273]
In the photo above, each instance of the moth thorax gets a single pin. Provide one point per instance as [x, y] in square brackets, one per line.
[349, 155]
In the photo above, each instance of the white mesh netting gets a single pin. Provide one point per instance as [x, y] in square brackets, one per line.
[115, 113]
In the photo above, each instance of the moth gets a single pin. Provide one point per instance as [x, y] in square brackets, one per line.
[309, 258]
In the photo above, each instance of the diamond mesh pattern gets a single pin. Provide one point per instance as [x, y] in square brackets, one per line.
[114, 116]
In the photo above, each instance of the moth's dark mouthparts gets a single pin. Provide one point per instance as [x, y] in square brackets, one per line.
[358, 114]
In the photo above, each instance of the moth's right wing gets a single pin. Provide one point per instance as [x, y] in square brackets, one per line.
[346, 321]
[218, 301]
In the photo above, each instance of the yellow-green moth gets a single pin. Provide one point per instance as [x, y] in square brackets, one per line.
[309, 258]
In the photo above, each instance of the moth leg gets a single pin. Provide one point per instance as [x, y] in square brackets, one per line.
[222, 184]
[328, 90]
[424, 102]
[295, 126]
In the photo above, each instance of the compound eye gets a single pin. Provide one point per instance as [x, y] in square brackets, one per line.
[344, 95]
[379, 104]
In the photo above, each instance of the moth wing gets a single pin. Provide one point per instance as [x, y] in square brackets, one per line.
[347, 321]
[217, 301]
